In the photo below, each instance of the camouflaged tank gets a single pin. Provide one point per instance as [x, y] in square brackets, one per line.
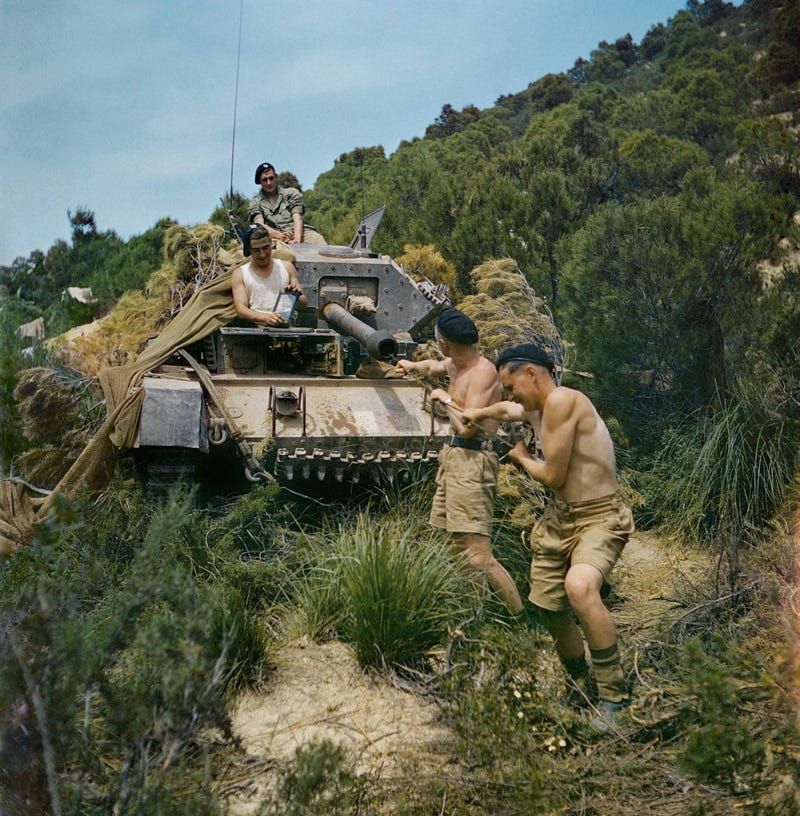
[310, 402]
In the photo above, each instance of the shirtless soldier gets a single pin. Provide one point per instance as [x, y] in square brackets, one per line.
[467, 478]
[585, 525]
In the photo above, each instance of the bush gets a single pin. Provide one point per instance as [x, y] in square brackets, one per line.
[389, 587]
[723, 474]
[323, 781]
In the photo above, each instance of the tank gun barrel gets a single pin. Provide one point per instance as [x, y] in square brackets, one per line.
[379, 342]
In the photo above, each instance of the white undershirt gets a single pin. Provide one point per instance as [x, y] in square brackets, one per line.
[263, 292]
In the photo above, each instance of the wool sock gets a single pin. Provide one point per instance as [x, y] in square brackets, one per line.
[608, 674]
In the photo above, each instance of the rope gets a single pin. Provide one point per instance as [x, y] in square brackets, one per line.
[489, 434]
[253, 470]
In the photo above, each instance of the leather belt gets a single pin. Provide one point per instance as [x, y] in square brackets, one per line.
[469, 444]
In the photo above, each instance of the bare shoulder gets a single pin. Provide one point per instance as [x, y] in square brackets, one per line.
[563, 397]
[565, 403]
[568, 404]
[484, 371]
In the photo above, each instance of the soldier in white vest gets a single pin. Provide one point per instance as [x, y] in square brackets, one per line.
[257, 284]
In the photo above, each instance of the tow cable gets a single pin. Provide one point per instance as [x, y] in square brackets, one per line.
[252, 469]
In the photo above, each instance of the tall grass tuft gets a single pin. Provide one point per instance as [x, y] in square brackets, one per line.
[389, 588]
[721, 476]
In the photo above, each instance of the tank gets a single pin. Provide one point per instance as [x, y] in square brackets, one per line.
[309, 402]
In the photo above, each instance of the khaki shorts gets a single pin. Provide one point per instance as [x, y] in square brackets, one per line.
[466, 483]
[592, 532]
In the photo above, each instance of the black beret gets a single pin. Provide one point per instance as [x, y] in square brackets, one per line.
[456, 327]
[262, 168]
[526, 353]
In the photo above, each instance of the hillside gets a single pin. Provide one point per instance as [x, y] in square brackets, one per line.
[177, 654]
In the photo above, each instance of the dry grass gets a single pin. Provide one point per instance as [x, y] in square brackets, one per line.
[192, 257]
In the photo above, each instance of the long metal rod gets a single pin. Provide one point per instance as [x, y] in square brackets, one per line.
[236, 97]
[489, 434]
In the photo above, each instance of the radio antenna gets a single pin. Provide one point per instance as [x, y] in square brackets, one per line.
[236, 98]
[362, 229]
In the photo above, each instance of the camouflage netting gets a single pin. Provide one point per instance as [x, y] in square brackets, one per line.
[19, 509]
[208, 305]
[425, 262]
[507, 311]
[192, 258]
[113, 340]
[56, 409]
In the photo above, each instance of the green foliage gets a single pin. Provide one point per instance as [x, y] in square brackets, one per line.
[721, 476]
[678, 274]
[321, 780]
[12, 360]
[231, 210]
[452, 121]
[130, 653]
[342, 195]
[389, 589]
[511, 722]
[654, 165]
[94, 259]
[131, 267]
[720, 746]
[397, 591]
[780, 65]
[770, 152]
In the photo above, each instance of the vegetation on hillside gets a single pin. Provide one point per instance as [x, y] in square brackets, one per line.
[649, 195]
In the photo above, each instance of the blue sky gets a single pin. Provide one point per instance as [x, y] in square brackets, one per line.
[127, 107]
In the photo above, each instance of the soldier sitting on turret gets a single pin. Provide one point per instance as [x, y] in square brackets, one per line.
[257, 284]
[280, 209]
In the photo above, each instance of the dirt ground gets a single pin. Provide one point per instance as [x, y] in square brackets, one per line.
[319, 692]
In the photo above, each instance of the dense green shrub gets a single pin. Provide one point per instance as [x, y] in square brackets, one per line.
[322, 779]
[722, 474]
[389, 587]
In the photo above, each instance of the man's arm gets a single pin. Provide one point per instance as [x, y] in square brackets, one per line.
[277, 234]
[296, 206]
[505, 411]
[294, 285]
[559, 425]
[425, 368]
[297, 224]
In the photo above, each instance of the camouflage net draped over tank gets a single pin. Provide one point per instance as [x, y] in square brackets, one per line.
[202, 297]
[59, 413]
[507, 312]
[192, 258]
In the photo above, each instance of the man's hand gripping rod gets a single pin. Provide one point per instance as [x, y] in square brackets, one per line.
[490, 434]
